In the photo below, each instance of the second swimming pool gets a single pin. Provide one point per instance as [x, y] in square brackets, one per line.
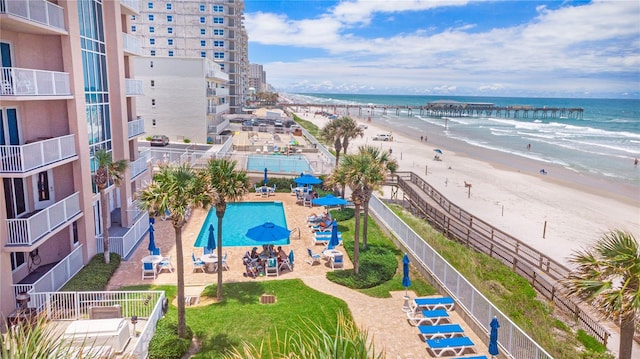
[278, 163]
[241, 216]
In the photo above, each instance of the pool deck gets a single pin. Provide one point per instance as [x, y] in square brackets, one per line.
[382, 317]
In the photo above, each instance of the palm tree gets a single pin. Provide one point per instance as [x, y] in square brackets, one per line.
[176, 189]
[349, 129]
[226, 184]
[608, 276]
[386, 165]
[332, 134]
[107, 171]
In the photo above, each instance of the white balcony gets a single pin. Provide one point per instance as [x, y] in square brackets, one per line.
[136, 128]
[26, 231]
[24, 158]
[131, 45]
[130, 7]
[133, 87]
[127, 242]
[221, 91]
[32, 16]
[141, 164]
[213, 110]
[29, 82]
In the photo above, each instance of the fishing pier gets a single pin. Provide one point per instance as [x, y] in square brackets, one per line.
[447, 109]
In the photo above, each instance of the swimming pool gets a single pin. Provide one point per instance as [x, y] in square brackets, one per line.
[241, 216]
[278, 163]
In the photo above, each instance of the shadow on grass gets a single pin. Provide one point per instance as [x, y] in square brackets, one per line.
[243, 292]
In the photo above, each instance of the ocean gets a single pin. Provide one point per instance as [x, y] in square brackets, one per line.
[604, 143]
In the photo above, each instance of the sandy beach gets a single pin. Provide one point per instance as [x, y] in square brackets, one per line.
[508, 192]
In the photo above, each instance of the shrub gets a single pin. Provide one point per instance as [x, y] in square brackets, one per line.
[95, 275]
[186, 140]
[148, 138]
[591, 343]
[344, 214]
[377, 265]
[166, 344]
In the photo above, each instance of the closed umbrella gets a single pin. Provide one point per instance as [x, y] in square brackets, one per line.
[268, 232]
[329, 200]
[211, 241]
[406, 282]
[266, 179]
[493, 337]
[152, 242]
[291, 258]
[334, 241]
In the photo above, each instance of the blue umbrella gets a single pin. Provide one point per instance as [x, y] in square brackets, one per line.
[493, 337]
[406, 282]
[334, 241]
[266, 179]
[211, 242]
[268, 232]
[329, 200]
[438, 150]
[152, 243]
[291, 258]
[307, 179]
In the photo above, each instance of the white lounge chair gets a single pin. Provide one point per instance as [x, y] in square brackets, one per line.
[440, 331]
[428, 317]
[431, 303]
[456, 346]
[324, 237]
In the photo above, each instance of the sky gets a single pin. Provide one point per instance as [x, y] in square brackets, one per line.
[516, 48]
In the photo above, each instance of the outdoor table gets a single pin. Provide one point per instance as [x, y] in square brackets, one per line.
[153, 259]
[331, 253]
[210, 260]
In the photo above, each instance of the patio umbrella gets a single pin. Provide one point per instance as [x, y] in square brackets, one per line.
[493, 337]
[307, 179]
[329, 200]
[334, 241]
[438, 150]
[291, 258]
[152, 242]
[266, 179]
[207, 242]
[268, 232]
[406, 282]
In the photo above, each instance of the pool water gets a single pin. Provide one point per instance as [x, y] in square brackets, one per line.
[241, 216]
[278, 163]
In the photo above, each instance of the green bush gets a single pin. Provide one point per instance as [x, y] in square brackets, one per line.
[95, 275]
[186, 140]
[166, 344]
[591, 343]
[377, 265]
[148, 138]
[344, 214]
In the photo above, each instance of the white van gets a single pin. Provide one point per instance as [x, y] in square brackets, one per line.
[382, 137]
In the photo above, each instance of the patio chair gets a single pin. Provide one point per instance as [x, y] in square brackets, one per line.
[456, 346]
[271, 267]
[440, 331]
[286, 264]
[197, 263]
[428, 317]
[258, 190]
[432, 303]
[264, 192]
[223, 263]
[207, 251]
[165, 264]
[148, 270]
[337, 262]
[313, 257]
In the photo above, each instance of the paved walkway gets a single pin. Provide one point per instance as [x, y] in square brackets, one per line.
[383, 318]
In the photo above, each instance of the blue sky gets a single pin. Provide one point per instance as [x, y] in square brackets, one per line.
[483, 48]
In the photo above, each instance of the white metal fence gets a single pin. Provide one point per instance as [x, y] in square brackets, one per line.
[41, 11]
[24, 158]
[29, 82]
[125, 244]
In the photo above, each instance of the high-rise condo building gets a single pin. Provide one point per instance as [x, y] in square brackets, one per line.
[67, 90]
[257, 78]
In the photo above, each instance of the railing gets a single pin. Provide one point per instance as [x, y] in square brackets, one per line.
[133, 87]
[327, 156]
[125, 244]
[136, 128]
[54, 279]
[221, 91]
[24, 158]
[26, 231]
[512, 338]
[29, 82]
[131, 44]
[141, 164]
[40, 11]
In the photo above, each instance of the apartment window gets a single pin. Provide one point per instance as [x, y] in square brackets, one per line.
[218, 20]
[169, 18]
[203, 43]
[133, 17]
[133, 28]
[169, 30]
[221, 67]
[150, 17]
[153, 53]
[218, 43]
[218, 8]
[170, 42]
[153, 102]
[170, 52]
[150, 5]
[218, 55]
[218, 32]
[202, 20]
[202, 8]
[74, 230]
[222, 101]
[17, 259]
[153, 83]
[203, 31]
[152, 41]
[169, 6]
[152, 29]
[153, 122]
[203, 54]
[151, 64]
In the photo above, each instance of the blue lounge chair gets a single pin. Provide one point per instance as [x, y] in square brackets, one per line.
[324, 237]
[440, 331]
[433, 303]
[428, 317]
[456, 346]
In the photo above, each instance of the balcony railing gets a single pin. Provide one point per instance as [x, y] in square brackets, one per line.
[136, 127]
[26, 231]
[28, 82]
[141, 164]
[131, 44]
[126, 243]
[133, 87]
[24, 158]
[39, 11]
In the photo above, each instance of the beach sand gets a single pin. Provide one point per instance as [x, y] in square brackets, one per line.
[508, 191]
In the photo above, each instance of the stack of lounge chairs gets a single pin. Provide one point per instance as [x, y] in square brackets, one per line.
[431, 316]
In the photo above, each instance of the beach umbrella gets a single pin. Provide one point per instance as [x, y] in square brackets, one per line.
[438, 150]
[208, 242]
[291, 258]
[406, 282]
[334, 241]
[266, 179]
[329, 200]
[152, 242]
[493, 337]
[268, 232]
[307, 179]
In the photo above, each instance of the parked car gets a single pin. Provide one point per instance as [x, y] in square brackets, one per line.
[382, 137]
[363, 126]
[159, 140]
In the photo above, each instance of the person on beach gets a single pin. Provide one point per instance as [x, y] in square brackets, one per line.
[421, 137]
[635, 163]
[528, 146]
